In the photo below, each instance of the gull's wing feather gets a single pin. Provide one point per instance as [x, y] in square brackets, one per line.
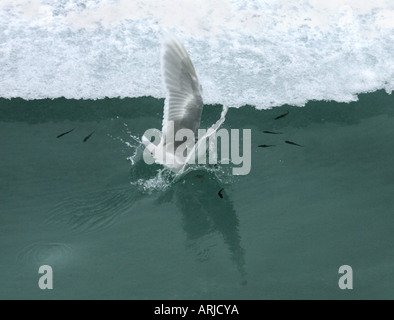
[209, 132]
[183, 104]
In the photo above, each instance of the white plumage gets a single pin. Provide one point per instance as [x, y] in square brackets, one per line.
[183, 104]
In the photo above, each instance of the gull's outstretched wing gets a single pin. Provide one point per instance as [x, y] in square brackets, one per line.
[183, 104]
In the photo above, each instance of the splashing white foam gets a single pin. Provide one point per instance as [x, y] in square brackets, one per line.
[152, 178]
[264, 53]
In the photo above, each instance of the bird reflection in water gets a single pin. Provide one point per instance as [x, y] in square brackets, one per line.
[205, 213]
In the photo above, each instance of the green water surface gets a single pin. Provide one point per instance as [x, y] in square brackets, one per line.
[113, 229]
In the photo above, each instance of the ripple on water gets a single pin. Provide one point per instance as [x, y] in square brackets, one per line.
[44, 253]
[92, 212]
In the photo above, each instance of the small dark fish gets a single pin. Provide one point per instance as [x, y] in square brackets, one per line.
[271, 132]
[220, 193]
[282, 115]
[293, 143]
[266, 145]
[200, 176]
[86, 138]
[64, 133]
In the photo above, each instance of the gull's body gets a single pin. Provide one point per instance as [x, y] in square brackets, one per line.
[183, 105]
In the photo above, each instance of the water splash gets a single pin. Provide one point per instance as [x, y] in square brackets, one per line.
[156, 178]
